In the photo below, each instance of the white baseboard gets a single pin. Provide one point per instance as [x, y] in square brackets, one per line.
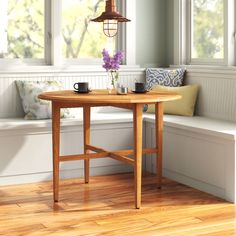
[64, 174]
[211, 189]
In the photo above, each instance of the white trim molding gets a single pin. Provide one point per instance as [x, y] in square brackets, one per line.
[180, 27]
[130, 37]
[230, 32]
[56, 57]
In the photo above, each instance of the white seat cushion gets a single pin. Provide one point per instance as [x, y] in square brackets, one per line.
[224, 129]
[96, 118]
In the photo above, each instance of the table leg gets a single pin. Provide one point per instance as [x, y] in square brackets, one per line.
[159, 141]
[86, 112]
[56, 148]
[138, 128]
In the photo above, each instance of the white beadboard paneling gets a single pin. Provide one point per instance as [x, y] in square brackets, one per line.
[10, 103]
[217, 97]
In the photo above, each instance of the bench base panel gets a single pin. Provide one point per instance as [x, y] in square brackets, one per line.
[199, 160]
[26, 155]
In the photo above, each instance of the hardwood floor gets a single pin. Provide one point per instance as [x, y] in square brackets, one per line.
[106, 207]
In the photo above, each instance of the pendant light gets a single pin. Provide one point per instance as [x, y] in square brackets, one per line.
[110, 18]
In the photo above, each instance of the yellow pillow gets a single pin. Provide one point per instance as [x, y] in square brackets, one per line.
[184, 106]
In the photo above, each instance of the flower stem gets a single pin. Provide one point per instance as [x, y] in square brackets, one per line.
[114, 78]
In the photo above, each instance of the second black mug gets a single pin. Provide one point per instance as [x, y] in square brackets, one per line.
[140, 87]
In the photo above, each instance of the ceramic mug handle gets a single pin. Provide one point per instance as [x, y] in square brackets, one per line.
[76, 85]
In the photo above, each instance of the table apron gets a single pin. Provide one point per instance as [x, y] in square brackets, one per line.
[78, 104]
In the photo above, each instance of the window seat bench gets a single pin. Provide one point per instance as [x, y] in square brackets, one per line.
[26, 146]
[198, 151]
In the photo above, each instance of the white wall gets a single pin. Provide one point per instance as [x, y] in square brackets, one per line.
[151, 33]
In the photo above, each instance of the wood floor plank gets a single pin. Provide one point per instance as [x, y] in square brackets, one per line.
[105, 207]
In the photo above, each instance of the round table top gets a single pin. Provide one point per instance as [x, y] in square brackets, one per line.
[102, 96]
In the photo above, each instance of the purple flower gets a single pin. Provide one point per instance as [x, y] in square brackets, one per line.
[112, 63]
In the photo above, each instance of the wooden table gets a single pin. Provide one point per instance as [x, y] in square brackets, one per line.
[132, 101]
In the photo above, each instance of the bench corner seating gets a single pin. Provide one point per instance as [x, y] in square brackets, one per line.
[199, 151]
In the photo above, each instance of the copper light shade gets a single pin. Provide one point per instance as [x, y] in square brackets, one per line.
[110, 19]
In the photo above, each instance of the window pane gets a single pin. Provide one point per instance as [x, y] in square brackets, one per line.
[208, 29]
[22, 29]
[81, 37]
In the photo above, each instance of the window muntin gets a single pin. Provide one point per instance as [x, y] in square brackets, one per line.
[207, 30]
[82, 38]
[22, 33]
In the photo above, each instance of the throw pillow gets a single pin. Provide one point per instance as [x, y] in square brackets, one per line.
[35, 108]
[165, 77]
[184, 106]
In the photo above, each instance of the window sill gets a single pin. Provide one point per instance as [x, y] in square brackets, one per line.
[65, 69]
[208, 68]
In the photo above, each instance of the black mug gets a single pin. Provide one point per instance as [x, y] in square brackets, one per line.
[140, 87]
[81, 87]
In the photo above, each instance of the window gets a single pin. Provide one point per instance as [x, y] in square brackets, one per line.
[56, 32]
[22, 29]
[207, 29]
[81, 37]
[204, 32]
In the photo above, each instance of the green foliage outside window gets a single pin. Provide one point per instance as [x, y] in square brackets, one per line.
[25, 29]
[81, 38]
[208, 29]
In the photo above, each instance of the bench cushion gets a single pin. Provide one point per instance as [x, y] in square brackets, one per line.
[219, 128]
[96, 118]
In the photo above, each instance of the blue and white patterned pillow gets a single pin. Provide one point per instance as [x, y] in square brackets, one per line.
[164, 77]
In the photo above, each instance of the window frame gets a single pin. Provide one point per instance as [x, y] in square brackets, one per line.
[125, 40]
[182, 35]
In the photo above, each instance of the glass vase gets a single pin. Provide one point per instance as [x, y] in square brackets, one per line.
[112, 81]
